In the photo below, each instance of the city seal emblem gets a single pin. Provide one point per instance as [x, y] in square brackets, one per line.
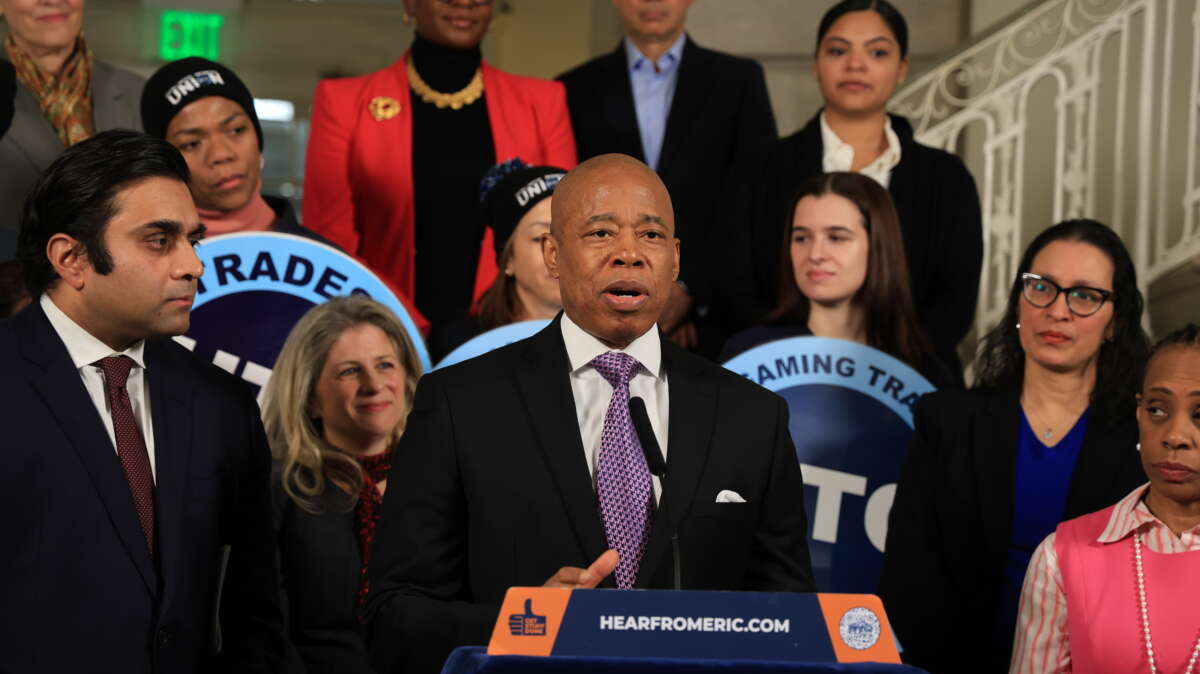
[859, 628]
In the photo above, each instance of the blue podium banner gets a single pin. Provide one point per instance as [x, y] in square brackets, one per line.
[256, 286]
[851, 421]
[492, 339]
[779, 626]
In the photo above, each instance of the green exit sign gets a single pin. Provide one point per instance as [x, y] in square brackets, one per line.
[184, 34]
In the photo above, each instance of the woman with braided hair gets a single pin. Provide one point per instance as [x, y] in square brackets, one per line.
[1099, 582]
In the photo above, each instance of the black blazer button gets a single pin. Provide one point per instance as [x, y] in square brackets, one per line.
[163, 637]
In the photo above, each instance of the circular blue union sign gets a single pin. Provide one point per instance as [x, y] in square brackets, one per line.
[851, 421]
[256, 286]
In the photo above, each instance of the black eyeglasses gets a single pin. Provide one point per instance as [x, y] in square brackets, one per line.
[1041, 292]
[471, 3]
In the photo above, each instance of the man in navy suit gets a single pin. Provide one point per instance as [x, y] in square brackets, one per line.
[134, 509]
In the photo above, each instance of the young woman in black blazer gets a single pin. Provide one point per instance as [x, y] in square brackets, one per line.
[1049, 435]
[861, 58]
[334, 407]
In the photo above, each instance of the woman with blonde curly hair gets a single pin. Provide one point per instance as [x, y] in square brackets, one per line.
[334, 408]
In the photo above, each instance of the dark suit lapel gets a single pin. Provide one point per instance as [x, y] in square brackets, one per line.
[32, 132]
[995, 463]
[64, 395]
[106, 98]
[909, 197]
[618, 107]
[809, 152]
[692, 87]
[172, 412]
[1098, 465]
[543, 379]
[693, 413]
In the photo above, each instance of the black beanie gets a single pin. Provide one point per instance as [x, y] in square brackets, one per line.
[509, 191]
[180, 82]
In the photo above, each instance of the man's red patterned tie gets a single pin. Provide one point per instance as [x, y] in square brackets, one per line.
[131, 447]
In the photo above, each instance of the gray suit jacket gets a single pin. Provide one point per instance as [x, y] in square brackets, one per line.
[31, 144]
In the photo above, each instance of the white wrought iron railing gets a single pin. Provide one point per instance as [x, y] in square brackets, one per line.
[1074, 108]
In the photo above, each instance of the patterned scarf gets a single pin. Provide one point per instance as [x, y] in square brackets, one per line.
[65, 98]
[366, 512]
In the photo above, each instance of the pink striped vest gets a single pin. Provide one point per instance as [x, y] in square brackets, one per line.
[1102, 600]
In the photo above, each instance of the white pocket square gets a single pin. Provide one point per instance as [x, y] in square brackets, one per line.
[728, 496]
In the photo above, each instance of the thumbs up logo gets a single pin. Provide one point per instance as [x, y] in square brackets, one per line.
[527, 624]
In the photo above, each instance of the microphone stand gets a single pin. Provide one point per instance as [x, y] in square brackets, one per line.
[658, 468]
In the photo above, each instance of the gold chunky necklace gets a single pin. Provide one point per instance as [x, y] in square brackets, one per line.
[455, 101]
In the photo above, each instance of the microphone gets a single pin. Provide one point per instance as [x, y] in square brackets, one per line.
[658, 468]
[646, 437]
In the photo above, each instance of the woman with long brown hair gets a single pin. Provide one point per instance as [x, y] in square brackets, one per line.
[844, 275]
[860, 59]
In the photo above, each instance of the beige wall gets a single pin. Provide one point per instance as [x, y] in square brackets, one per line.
[542, 38]
[986, 14]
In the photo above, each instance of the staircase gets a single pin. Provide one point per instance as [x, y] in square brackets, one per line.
[1078, 108]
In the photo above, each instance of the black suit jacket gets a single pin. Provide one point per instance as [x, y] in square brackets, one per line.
[940, 219]
[320, 568]
[720, 111]
[490, 489]
[81, 593]
[951, 523]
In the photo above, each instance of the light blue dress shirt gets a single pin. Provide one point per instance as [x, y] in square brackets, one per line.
[653, 85]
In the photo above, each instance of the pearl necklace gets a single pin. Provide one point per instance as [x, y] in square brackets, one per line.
[1141, 586]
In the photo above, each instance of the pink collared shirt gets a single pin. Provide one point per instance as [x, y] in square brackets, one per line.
[1042, 644]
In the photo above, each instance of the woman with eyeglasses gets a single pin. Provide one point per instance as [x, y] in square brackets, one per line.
[1046, 436]
[395, 157]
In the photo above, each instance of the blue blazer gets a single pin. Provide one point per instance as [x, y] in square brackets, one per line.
[80, 591]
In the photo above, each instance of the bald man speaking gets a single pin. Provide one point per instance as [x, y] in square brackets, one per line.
[524, 466]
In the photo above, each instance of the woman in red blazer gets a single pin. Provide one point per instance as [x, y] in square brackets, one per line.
[394, 160]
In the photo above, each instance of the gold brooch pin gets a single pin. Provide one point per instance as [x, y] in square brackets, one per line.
[383, 108]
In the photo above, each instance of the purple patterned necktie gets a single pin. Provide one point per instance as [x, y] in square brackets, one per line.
[623, 482]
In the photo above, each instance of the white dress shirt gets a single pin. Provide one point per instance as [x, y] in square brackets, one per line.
[839, 156]
[84, 350]
[593, 392]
